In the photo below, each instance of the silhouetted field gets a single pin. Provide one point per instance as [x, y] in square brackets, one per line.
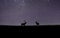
[36, 28]
[28, 25]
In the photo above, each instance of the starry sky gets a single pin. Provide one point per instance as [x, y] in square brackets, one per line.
[13, 12]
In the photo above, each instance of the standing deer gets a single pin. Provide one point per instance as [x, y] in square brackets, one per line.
[23, 24]
[37, 23]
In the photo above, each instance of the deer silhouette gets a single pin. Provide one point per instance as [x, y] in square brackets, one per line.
[37, 23]
[23, 24]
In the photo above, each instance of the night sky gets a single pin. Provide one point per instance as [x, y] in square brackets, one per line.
[13, 12]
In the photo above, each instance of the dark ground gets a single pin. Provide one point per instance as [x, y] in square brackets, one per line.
[44, 28]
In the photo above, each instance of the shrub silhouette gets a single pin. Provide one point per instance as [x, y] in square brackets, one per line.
[37, 23]
[23, 24]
